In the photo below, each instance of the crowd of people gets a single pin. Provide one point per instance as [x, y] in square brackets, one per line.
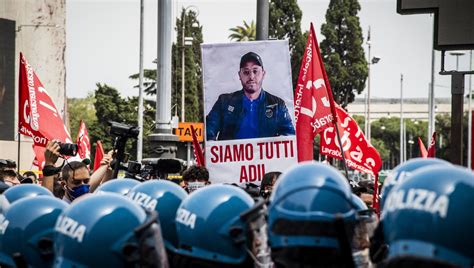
[308, 216]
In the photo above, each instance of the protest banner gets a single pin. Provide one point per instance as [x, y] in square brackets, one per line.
[99, 154]
[359, 153]
[314, 103]
[38, 116]
[432, 146]
[423, 151]
[249, 110]
[83, 141]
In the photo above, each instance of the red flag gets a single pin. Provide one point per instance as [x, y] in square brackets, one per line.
[39, 160]
[423, 151]
[83, 142]
[198, 155]
[99, 154]
[314, 104]
[432, 146]
[38, 116]
[359, 153]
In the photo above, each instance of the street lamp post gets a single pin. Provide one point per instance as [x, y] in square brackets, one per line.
[469, 125]
[457, 109]
[184, 41]
[401, 120]
[140, 88]
[372, 61]
[457, 54]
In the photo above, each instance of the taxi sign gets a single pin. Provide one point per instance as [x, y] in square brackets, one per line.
[184, 131]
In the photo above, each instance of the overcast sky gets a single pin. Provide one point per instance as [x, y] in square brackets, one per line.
[103, 42]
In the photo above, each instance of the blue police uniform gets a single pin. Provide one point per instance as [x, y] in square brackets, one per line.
[233, 116]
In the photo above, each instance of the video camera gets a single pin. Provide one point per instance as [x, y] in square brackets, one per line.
[122, 133]
[123, 130]
[154, 168]
[69, 149]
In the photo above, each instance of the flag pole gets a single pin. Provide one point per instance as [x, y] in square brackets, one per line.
[18, 154]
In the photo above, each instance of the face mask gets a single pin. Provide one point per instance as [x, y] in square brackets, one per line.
[78, 191]
[194, 185]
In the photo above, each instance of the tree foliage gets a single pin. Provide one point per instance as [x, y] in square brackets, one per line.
[194, 105]
[81, 109]
[342, 50]
[285, 23]
[247, 32]
[110, 106]
[386, 134]
[149, 81]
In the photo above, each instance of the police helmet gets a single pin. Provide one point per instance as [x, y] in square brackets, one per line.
[108, 230]
[427, 218]
[310, 207]
[20, 191]
[404, 171]
[119, 186]
[359, 203]
[27, 230]
[164, 197]
[210, 228]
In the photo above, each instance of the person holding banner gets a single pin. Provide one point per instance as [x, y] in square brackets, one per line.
[250, 112]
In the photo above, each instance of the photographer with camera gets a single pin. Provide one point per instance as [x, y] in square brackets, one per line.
[75, 179]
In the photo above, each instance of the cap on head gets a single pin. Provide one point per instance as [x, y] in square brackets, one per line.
[251, 56]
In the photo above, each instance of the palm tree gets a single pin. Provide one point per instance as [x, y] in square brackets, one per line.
[243, 33]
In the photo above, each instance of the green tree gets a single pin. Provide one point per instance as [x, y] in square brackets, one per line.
[248, 32]
[381, 149]
[285, 23]
[193, 71]
[386, 135]
[110, 106]
[342, 50]
[81, 108]
[149, 81]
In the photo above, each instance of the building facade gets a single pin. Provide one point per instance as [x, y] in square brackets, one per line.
[413, 108]
[38, 30]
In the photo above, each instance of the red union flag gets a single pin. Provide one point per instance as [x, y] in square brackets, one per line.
[83, 142]
[359, 153]
[39, 160]
[198, 155]
[99, 154]
[314, 104]
[38, 116]
[432, 146]
[423, 151]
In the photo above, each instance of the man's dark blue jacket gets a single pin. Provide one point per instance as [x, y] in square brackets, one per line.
[224, 119]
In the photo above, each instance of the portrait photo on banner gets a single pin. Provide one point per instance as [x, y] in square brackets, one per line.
[248, 109]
